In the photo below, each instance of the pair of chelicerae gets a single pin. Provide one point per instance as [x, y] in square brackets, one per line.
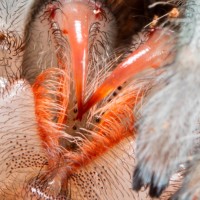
[99, 99]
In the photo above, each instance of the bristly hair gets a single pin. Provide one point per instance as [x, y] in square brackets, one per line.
[169, 116]
[54, 148]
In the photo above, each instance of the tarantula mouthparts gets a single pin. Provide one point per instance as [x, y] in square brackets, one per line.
[98, 100]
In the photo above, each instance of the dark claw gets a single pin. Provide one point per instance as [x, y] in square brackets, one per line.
[141, 179]
[137, 179]
[156, 190]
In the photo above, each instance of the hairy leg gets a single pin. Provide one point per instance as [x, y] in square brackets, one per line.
[168, 125]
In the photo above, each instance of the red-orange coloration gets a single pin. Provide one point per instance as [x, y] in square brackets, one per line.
[50, 103]
[52, 11]
[63, 89]
[52, 88]
[76, 18]
[152, 54]
[59, 90]
[116, 125]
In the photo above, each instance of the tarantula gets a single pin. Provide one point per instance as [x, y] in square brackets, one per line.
[80, 81]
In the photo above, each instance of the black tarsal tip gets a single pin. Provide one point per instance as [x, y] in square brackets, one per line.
[138, 182]
[155, 190]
